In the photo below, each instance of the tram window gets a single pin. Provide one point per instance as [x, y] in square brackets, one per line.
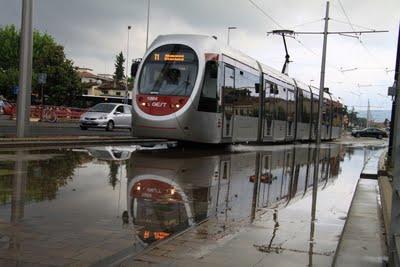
[315, 104]
[306, 116]
[246, 97]
[326, 112]
[291, 106]
[300, 106]
[209, 95]
[281, 104]
[269, 101]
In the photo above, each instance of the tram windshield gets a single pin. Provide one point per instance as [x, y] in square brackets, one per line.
[169, 70]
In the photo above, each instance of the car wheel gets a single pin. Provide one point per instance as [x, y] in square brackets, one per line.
[110, 126]
[83, 128]
[379, 136]
[358, 135]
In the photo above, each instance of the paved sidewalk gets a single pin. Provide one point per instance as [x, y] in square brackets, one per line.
[362, 242]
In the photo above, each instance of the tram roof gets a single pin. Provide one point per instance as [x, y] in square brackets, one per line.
[213, 45]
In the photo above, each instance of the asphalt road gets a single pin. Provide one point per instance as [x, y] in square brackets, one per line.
[8, 129]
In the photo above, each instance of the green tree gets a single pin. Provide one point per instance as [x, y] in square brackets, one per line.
[119, 67]
[63, 85]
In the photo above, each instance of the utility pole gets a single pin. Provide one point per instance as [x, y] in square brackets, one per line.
[126, 69]
[25, 69]
[394, 159]
[321, 100]
[148, 22]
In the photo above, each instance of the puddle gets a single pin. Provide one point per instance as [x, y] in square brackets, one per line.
[82, 206]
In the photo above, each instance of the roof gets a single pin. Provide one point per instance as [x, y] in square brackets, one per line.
[112, 86]
[86, 74]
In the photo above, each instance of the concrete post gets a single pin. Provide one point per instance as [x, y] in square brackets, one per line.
[25, 69]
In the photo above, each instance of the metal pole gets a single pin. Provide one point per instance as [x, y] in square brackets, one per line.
[148, 22]
[321, 97]
[126, 69]
[25, 69]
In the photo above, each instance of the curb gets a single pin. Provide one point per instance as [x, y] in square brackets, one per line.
[68, 141]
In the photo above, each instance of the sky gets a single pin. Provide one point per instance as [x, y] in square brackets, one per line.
[94, 31]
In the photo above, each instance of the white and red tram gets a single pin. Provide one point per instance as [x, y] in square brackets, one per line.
[194, 88]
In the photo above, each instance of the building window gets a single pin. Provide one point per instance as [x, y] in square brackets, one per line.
[104, 92]
[118, 93]
[85, 92]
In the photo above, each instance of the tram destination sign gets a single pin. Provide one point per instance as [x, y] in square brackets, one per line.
[172, 57]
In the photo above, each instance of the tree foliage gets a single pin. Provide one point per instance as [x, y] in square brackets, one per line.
[63, 86]
[119, 67]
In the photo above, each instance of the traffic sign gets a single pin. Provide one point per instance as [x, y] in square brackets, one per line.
[42, 77]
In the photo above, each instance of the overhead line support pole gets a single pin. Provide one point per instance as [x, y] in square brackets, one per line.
[321, 99]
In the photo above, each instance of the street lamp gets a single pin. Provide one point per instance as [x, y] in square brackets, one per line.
[148, 22]
[229, 31]
[126, 69]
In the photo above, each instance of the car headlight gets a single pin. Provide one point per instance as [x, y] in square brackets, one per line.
[103, 118]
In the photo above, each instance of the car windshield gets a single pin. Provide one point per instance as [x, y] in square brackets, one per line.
[169, 70]
[104, 108]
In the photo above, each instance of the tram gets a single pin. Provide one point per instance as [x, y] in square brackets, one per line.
[194, 88]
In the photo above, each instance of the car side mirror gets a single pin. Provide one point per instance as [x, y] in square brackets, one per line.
[117, 113]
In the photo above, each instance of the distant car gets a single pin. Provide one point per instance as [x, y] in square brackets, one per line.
[370, 132]
[107, 116]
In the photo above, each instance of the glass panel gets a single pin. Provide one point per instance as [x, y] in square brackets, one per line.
[246, 99]
[291, 111]
[120, 109]
[169, 70]
[209, 95]
[281, 104]
[306, 115]
[269, 109]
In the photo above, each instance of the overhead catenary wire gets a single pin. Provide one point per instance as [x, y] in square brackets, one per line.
[359, 38]
[307, 23]
[266, 14]
[352, 24]
[345, 14]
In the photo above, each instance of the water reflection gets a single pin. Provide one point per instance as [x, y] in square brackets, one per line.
[83, 205]
[169, 192]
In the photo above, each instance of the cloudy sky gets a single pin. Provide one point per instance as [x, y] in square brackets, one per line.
[93, 31]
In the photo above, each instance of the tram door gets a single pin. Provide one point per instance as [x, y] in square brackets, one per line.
[228, 92]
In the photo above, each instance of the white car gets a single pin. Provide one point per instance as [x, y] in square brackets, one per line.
[107, 116]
